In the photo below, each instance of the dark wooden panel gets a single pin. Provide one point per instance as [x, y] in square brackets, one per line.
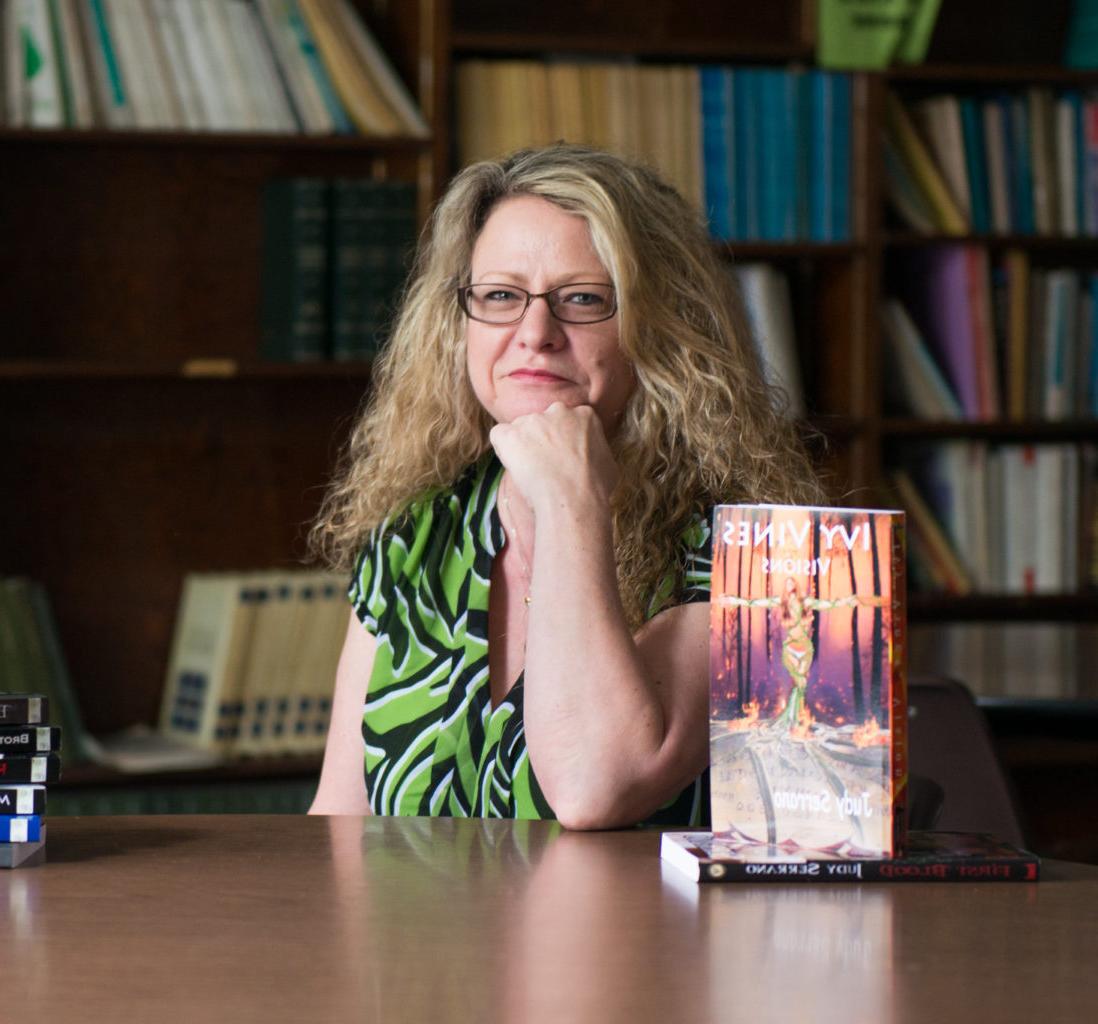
[157, 252]
[117, 489]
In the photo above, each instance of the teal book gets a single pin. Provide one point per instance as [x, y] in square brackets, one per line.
[294, 286]
[972, 130]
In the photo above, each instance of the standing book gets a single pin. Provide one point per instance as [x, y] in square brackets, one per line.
[808, 742]
[929, 857]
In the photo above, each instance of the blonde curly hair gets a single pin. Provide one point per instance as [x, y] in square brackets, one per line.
[701, 427]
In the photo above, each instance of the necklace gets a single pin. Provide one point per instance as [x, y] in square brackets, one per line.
[512, 528]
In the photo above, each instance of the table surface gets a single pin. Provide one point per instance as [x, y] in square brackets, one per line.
[278, 918]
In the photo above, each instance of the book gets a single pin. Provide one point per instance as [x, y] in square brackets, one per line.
[768, 305]
[13, 855]
[72, 64]
[913, 381]
[929, 540]
[210, 648]
[29, 799]
[928, 857]
[29, 739]
[808, 709]
[294, 276]
[20, 828]
[30, 768]
[913, 150]
[24, 709]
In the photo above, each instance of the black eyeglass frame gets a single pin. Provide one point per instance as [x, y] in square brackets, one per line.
[463, 301]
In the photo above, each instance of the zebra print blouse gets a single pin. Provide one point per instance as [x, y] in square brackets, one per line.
[434, 743]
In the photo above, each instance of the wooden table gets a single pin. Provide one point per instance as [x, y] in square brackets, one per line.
[285, 918]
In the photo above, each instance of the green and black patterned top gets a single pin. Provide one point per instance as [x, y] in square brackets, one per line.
[434, 743]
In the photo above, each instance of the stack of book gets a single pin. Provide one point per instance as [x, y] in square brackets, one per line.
[1003, 162]
[808, 709]
[29, 758]
[309, 66]
[253, 662]
[335, 256]
[764, 151]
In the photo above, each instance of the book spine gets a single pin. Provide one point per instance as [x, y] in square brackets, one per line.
[898, 669]
[22, 799]
[30, 768]
[41, 84]
[40, 739]
[715, 153]
[842, 114]
[24, 709]
[295, 268]
[989, 870]
[21, 828]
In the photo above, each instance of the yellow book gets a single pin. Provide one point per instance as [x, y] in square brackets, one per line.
[365, 106]
[923, 169]
[566, 103]
[931, 538]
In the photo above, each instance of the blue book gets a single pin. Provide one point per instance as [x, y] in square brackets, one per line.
[819, 85]
[1075, 100]
[747, 196]
[20, 828]
[842, 116]
[972, 128]
[1022, 194]
[771, 168]
[1092, 369]
[716, 154]
[791, 182]
[318, 71]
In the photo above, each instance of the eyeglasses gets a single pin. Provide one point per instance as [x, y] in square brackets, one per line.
[583, 302]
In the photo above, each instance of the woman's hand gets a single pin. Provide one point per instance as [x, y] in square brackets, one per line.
[560, 456]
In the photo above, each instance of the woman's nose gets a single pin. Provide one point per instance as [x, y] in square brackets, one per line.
[539, 329]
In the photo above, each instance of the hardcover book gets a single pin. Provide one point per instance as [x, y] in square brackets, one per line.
[30, 768]
[929, 857]
[24, 709]
[808, 704]
[20, 828]
[22, 799]
[28, 739]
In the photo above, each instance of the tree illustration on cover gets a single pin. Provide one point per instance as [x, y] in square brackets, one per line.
[798, 650]
[803, 657]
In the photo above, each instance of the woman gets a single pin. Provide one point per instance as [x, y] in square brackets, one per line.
[525, 504]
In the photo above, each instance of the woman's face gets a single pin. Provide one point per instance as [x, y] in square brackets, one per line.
[522, 368]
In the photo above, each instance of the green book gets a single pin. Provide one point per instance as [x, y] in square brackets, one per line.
[294, 287]
[373, 236]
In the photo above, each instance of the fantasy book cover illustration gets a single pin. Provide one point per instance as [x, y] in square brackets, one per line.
[808, 701]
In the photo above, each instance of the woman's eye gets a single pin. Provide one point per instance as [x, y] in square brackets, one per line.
[500, 295]
[581, 298]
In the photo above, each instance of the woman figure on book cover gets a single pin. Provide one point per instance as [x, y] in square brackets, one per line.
[524, 505]
[798, 650]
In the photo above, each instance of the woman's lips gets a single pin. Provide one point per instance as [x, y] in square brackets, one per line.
[537, 376]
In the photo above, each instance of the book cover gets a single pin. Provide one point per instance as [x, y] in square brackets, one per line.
[29, 799]
[29, 739]
[24, 709]
[929, 857]
[807, 678]
[29, 768]
[20, 828]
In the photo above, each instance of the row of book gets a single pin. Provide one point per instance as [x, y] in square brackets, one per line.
[29, 758]
[279, 66]
[1001, 518]
[253, 662]
[969, 337]
[764, 151]
[1021, 161]
[335, 256]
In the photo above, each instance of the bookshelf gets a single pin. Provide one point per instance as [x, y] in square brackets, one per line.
[145, 438]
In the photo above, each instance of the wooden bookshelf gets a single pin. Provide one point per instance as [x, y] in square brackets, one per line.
[145, 438]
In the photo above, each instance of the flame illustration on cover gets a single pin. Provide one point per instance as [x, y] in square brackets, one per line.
[807, 750]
